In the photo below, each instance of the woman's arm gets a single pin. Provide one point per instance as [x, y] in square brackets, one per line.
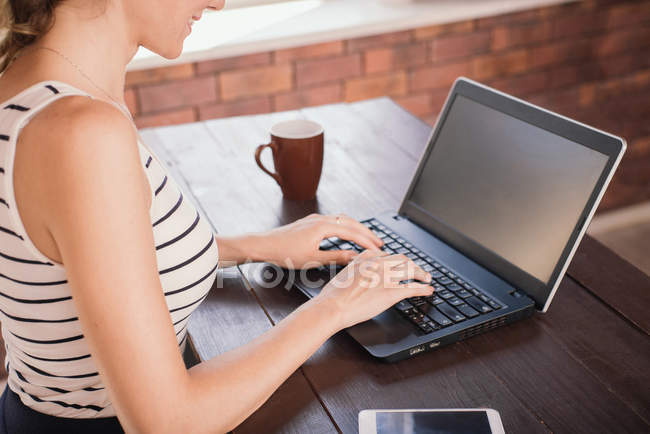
[94, 203]
[296, 245]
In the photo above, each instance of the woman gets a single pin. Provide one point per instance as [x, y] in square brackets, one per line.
[102, 261]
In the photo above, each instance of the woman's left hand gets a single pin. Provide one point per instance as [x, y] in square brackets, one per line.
[296, 245]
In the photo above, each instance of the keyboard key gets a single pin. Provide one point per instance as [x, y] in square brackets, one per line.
[467, 286]
[451, 275]
[435, 315]
[437, 265]
[380, 226]
[426, 267]
[377, 232]
[388, 231]
[445, 294]
[411, 255]
[428, 259]
[459, 281]
[414, 250]
[387, 250]
[357, 247]
[420, 262]
[401, 240]
[467, 311]
[451, 312]
[436, 300]
[394, 245]
[475, 291]
[454, 287]
[455, 301]
[367, 223]
[426, 327]
[326, 245]
[403, 306]
[463, 293]
[494, 304]
[408, 245]
[417, 301]
[335, 240]
[346, 246]
[402, 250]
[443, 270]
[444, 280]
[484, 297]
[478, 305]
[437, 286]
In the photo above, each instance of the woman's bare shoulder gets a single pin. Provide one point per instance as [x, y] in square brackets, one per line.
[76, 140]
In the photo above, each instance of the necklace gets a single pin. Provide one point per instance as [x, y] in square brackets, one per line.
[84, 75]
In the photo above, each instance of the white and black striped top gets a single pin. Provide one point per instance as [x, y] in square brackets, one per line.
[48, 360]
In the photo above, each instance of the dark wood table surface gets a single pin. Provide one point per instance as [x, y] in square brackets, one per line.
[582, 367]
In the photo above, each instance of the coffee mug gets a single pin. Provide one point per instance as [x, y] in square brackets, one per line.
[297, 147]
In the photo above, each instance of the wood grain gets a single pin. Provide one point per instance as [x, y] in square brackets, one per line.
[619, 284]
[582, 367]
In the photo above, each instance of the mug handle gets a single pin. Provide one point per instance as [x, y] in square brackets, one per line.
[258, 153]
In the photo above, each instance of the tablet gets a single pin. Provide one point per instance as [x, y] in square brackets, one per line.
[431, 421]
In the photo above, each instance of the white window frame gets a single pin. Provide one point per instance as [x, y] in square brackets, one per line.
[234, 4]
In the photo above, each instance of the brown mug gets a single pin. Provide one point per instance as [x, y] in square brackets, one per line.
[297, 147]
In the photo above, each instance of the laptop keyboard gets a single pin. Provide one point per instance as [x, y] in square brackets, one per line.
[453, 301]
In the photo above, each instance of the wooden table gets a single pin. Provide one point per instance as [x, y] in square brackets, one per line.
[581, 367]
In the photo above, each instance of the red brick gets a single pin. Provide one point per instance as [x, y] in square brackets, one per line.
[451, 47]
[131, 100]
[172, 117]
[627, 15]
[418, 105]
[504, 37]
[309, 72]
[236, 108]
[511, 18]
[586, 94]
[382, 40]
[309, 51]
[177, 94]
[437, 77]
[309, 97]
[157, 75]
[399, 57]
[559, 52]
[497, 65]
[438, 98]
[565, 26]
[430, 32]
[393, 84]
[255, 81]
[623, 40]
[523, 85]
[226, 64]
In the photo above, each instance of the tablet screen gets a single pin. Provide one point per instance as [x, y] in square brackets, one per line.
[433, 422]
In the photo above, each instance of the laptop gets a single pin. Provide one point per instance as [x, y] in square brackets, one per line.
[497, 206]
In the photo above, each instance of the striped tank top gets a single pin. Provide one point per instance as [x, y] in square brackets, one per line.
[48, 360]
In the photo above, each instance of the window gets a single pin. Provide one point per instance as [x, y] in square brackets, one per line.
[234, 4]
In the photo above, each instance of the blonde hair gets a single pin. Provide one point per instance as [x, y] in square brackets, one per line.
[21, 23]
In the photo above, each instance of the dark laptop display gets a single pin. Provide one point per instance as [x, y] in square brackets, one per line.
[513, 188]
[497, 206]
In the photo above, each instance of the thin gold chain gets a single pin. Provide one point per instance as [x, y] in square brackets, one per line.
[83, 74]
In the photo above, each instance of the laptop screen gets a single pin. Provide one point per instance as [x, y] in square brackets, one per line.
[514, 188]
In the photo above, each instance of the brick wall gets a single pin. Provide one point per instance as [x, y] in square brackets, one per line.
[588, 60]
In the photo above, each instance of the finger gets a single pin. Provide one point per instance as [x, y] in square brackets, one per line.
[349, 233]
[413, 289]
[410, 270]
[345, 219]
[339, 257]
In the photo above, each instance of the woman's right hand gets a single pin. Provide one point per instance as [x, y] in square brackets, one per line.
[370, 284]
